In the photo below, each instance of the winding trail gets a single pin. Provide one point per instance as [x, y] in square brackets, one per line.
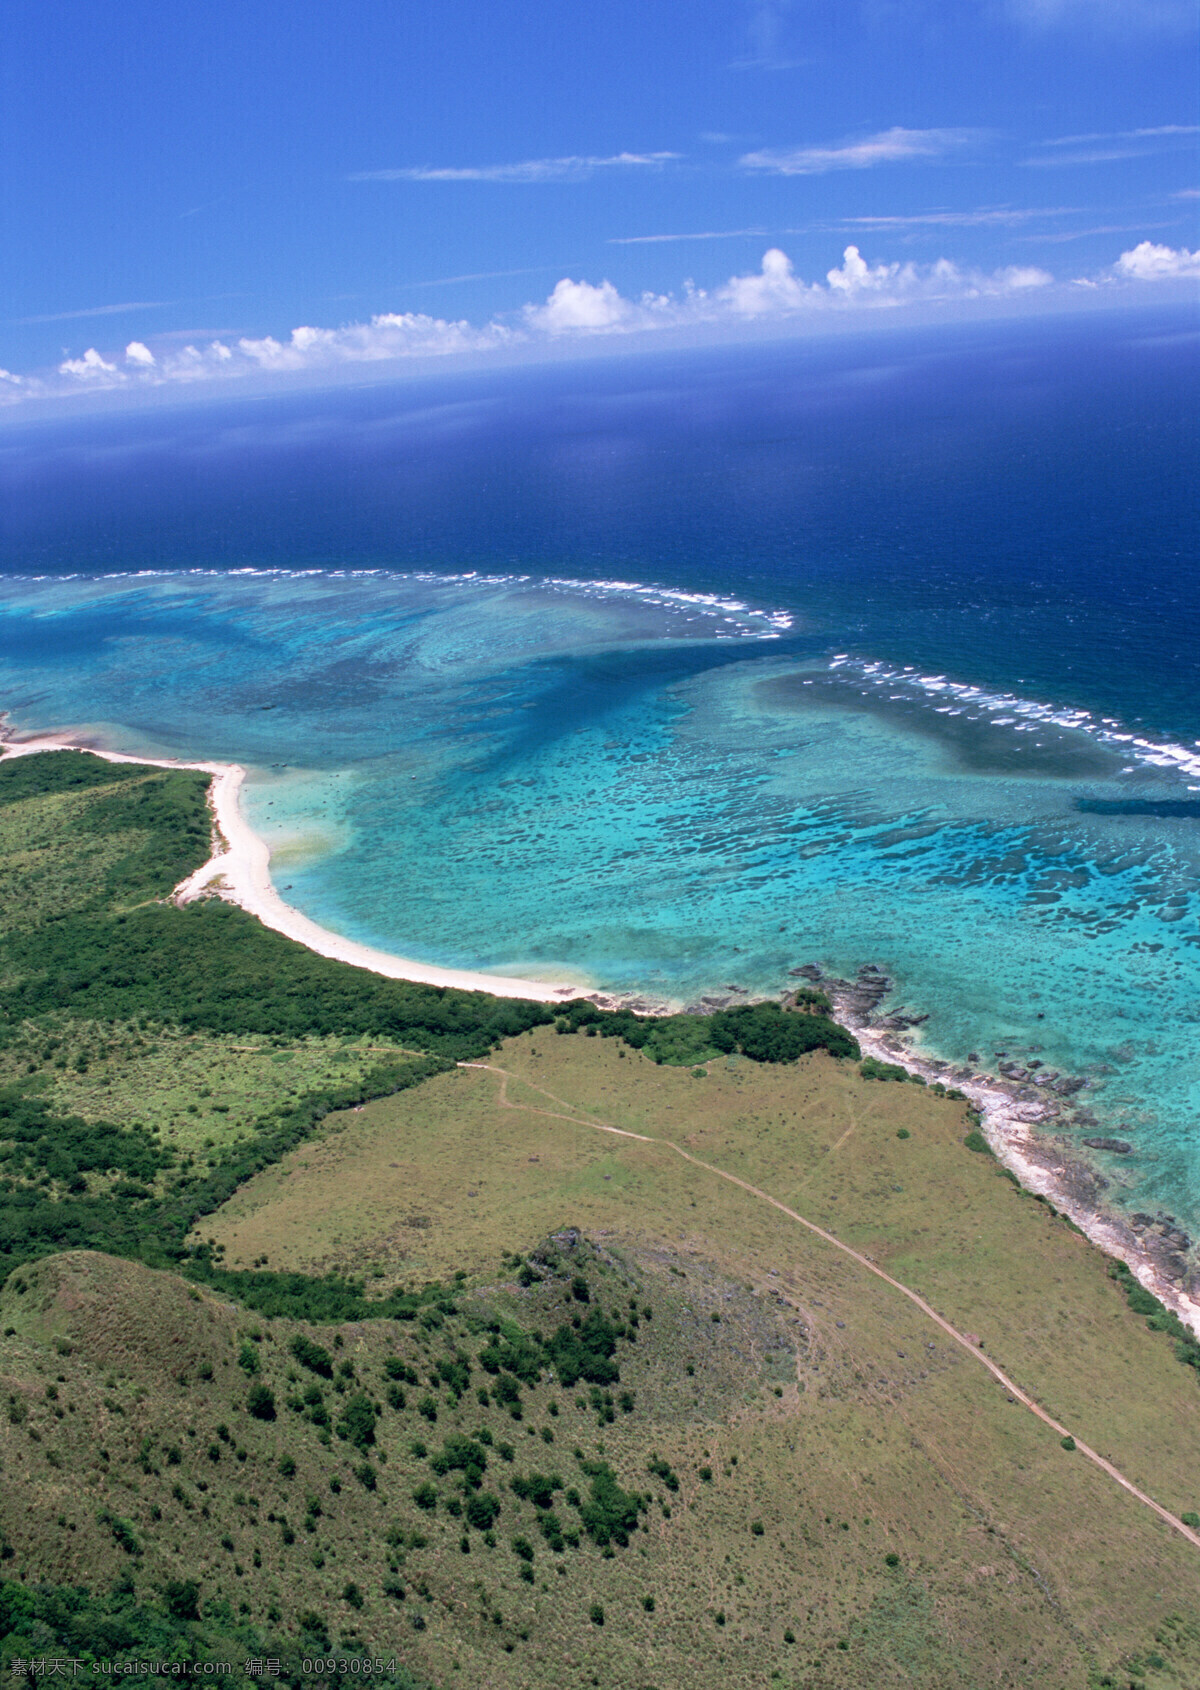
[960, 1338]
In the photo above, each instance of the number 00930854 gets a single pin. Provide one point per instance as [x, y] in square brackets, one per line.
[362, 1666]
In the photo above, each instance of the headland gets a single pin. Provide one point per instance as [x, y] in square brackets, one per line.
[1018, 1126]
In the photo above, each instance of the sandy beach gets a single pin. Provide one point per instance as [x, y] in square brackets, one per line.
[240, 871]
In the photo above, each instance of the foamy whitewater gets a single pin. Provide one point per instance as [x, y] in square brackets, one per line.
[671, 676]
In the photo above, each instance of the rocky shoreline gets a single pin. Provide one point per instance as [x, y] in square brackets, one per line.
[1020, 1107]
[1025, 1110]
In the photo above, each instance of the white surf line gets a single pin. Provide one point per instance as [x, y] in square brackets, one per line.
[914, 1297]
[239, 871]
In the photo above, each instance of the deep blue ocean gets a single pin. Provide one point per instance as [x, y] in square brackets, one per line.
[668, 672]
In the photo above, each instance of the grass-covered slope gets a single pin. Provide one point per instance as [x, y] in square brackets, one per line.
[124, 1019]
[285, 1369]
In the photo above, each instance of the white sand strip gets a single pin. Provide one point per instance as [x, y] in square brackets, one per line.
[239, 870]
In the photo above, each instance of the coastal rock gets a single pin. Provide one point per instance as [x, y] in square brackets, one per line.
[808, 970]
[1118, 1146]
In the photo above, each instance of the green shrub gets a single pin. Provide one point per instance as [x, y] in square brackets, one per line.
[356, 1423]
[313, 1356]
[483, 1510]
[181, 1597]
[609, 1514]
[872, 1069]
[261, 1402]
[976, 1141]
[122, 1531]
[596, 1613]
[538, 1488]
[663, 1471]
[1068, 1442]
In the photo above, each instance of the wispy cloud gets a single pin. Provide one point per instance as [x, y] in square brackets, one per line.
[1063, 235]
[95, 311]
[700, 235]
[1109, 148]
[577, 309]
[766, 38]
[999, 216]
[1159, 129]
[890, 146]
[1111, 17]
[481, 276]
[571, 169]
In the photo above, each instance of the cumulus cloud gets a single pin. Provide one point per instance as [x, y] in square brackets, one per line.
[898, 283]
[571, 169]
[774, 291]
[890, 146]
[579, 305]
[578, 308]
[1149, 262]
[88, 368]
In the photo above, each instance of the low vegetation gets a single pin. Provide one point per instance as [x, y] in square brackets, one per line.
[286, 1373]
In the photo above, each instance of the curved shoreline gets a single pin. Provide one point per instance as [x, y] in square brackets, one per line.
[240, 873]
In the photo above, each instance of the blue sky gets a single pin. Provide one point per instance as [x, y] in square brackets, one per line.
[213, 175]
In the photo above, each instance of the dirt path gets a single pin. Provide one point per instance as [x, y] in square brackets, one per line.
[960, 1338]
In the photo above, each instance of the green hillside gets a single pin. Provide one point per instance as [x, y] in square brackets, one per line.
[317, 1346]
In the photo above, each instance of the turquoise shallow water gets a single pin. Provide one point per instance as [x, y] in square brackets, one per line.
[656, 794]
[904, 669]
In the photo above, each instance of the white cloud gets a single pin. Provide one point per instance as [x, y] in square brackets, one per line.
[88, 368]
[571, 169]
[1110, 148]
[97, 311]
[1149, 262]
[579, 305]
[896, 284]
[1155, 133]
[389, 335]
[890, 146]
[773, 293]
[701, 235]
[1112, 17]
[984, 216]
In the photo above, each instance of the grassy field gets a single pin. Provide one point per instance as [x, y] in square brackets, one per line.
[875, 1401]
[198, 1091]
[649, 1433]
